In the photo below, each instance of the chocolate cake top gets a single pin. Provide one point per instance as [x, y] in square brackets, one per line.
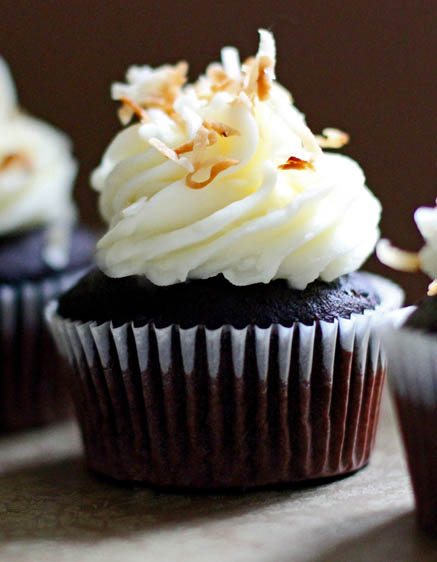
[214, 302]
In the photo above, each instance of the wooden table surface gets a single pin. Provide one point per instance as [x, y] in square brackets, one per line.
[52, 510]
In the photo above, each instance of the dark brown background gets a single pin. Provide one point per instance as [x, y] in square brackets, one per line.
[365, 67]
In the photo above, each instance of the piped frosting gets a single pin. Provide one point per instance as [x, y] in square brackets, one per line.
[224, 176]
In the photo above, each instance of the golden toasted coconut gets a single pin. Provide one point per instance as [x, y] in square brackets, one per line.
[220, 81]
[179, 76]
[170, 154]
[172, 88]
[432, 288]
[163, 98]
[220, 166]
[221, 128]
[250, 72]
[201, 141]
[217, 80]
[130, 108]
[257, 73]
[125, 113]
[332, 138]
[15, 159]
[186, 147]
[294, 163]
[264, 80]
[397, 258]
[204, 139]
[189, 146]
[206, 136]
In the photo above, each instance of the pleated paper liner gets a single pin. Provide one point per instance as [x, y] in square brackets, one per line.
[412, 357]
[32, 384]
[228, 407]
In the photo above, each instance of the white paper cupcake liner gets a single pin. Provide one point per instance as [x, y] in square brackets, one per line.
[412, 362]
[227, 407]
[31, 382]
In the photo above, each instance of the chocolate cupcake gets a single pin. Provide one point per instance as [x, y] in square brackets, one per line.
[41, 255]
[225, 340]
[412, 362]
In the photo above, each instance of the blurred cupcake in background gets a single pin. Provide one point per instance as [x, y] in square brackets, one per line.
[226, 338]
[41, 253]
[412, 368]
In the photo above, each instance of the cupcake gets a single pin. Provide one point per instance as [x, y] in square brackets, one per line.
[412, 362]
[41, 254]
[226, 338]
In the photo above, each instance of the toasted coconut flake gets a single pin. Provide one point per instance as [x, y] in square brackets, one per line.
[142, 92]
[250, 70]
[396, 258]
[163, 149]
[170, 89]
[205, 139]
[190, 145]
[171, 154]
[258, 79]
[206, 136]
[295, 163]
[220, 80]
[264, 79]
[332, 138]
[220, 166]
[432, 288]
[186, 147]
[221, 128]
[128, 108]
[218, 76]
[201, 141]
[16, 159]
[125, 114]
[259, 72]
[180, 74]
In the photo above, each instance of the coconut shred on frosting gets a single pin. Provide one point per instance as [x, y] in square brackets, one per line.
[426, 259]
[224, 176]
[36, 171]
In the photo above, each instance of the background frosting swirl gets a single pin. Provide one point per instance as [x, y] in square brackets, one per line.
[258, 219]
[36, 167]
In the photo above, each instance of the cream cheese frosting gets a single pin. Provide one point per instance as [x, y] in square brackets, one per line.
[224, 176]
[36, 170]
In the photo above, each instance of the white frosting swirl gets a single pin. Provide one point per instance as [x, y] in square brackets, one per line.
[36, 167]
[255, 221]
